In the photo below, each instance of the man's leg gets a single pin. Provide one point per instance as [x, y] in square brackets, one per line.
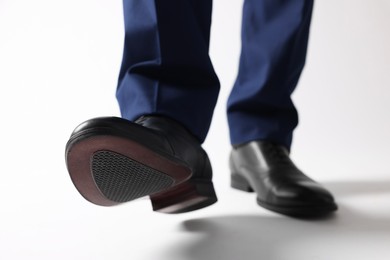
[166, 69]
[261, 114]
[167, 92]
[274, 42]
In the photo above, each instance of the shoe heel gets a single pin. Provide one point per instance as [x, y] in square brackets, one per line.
[188, 196]
[240, 183]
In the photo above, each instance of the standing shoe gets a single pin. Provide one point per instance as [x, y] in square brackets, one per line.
[112, 160]
[267, 169]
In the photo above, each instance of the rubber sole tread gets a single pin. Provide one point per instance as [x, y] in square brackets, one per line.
[122, 179]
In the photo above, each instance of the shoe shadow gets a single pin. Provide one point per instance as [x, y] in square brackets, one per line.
[349, 232]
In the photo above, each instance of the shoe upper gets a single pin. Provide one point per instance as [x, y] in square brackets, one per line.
[183, 145]
[274, 176]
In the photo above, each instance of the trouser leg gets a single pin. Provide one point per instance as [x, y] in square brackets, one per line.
[166, 69]
[274, 43]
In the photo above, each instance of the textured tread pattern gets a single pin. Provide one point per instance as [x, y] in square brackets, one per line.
[122, 179]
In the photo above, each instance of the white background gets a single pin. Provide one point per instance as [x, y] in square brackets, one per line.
[59, 62]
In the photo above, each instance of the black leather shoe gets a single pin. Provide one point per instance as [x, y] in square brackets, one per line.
[267, 169]
[112, 160]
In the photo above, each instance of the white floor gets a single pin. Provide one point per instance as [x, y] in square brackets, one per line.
[58, 66]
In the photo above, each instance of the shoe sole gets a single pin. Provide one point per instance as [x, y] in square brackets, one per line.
[308, 211]
[108, 170]
[313, 211]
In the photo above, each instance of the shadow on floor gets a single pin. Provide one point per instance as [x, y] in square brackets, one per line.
[349, 232]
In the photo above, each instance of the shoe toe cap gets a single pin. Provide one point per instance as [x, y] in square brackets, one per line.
[303, 193]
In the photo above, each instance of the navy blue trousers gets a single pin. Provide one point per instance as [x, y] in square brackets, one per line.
[166, 69]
